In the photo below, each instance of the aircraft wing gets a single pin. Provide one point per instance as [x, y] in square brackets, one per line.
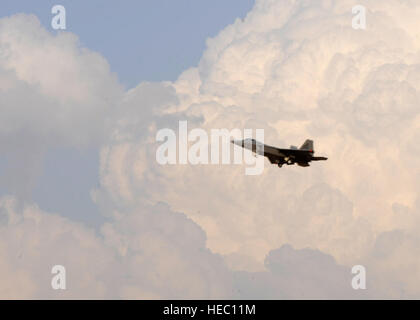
[275, 153]
[289, 156]
[274, 159]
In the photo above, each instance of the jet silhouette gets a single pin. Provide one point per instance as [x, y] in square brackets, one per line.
[301, 156]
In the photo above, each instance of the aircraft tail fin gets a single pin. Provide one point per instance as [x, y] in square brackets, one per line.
[307, 145]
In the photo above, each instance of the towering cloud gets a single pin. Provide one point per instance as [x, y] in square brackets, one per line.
[297, 69]
[294, 68]
[53, 93]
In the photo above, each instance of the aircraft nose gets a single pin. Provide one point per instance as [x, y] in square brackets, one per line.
[237, 142]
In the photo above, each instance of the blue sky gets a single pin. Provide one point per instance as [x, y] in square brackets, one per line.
[142, 41]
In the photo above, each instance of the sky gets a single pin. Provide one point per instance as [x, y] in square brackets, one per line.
[142, 41]
[81, 186]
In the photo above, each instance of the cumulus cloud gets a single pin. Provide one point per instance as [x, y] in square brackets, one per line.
[65, 92]
[297, 69]
[150, 253]
[53, 93]
[33, 241]
[297, 274]
[294, 68]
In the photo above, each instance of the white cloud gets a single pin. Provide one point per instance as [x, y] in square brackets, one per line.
[32, 242]
[298, 274]
[147, 254]
[296, 69]
[150, 253]
[64, 92]
[53, 93]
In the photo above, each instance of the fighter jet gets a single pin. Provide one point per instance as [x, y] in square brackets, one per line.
[301, 156]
